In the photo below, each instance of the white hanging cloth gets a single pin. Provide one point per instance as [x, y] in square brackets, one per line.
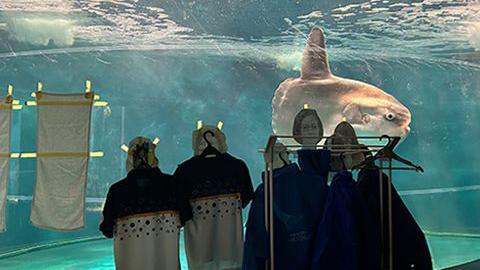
[62, 160]
[5, 123]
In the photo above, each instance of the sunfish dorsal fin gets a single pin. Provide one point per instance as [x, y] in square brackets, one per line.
[314, 58]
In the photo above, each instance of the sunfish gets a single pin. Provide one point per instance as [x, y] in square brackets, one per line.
[370, 110]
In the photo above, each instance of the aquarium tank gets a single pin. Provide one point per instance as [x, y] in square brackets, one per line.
[161, 66]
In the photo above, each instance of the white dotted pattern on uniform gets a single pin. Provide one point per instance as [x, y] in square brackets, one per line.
[214, 237]
[147, 241]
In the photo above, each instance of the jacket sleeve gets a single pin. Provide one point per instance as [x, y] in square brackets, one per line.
[183, 203]
[247, 193]
[108, 216]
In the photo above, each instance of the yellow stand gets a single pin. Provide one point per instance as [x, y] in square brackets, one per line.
[88, 87]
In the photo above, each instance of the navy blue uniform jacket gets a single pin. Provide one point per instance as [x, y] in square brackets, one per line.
[300, 194]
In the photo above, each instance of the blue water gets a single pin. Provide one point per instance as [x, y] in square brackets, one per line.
[164, 65]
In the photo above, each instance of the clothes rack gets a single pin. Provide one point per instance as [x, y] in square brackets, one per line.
[387, 260]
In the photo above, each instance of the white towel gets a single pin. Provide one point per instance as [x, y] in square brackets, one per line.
[62, 160]
[5, 122]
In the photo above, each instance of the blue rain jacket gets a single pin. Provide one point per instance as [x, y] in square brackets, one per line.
[300, 193]
[345, 239]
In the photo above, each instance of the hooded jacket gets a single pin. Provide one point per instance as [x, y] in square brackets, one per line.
[300, 192]
[410, 249]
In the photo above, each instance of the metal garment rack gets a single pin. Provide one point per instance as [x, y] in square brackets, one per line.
[269, 152]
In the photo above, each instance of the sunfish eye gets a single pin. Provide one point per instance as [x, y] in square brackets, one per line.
[390, 116]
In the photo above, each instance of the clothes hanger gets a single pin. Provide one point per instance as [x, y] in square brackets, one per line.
[280, 157]
[342, 158]
[388, 153]
[142, 152]
[209, 150]
[285, 163]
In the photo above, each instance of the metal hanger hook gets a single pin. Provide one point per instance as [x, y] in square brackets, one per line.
[342, 158]
[205, 136]
[386, 137]
[282, 159]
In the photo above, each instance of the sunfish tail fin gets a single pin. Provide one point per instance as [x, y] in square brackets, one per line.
[314, 58]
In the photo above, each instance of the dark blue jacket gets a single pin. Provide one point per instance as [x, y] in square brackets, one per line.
[410, 249]
[345, 239]
[298, 206]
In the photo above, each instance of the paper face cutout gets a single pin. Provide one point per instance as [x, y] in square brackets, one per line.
[307, 124]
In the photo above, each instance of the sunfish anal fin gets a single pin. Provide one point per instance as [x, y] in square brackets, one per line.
[314, 58]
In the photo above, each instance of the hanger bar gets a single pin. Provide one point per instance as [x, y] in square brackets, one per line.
[340, 153]
[337, 146]
[348, 150]
[397, 168]
[328, 137]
